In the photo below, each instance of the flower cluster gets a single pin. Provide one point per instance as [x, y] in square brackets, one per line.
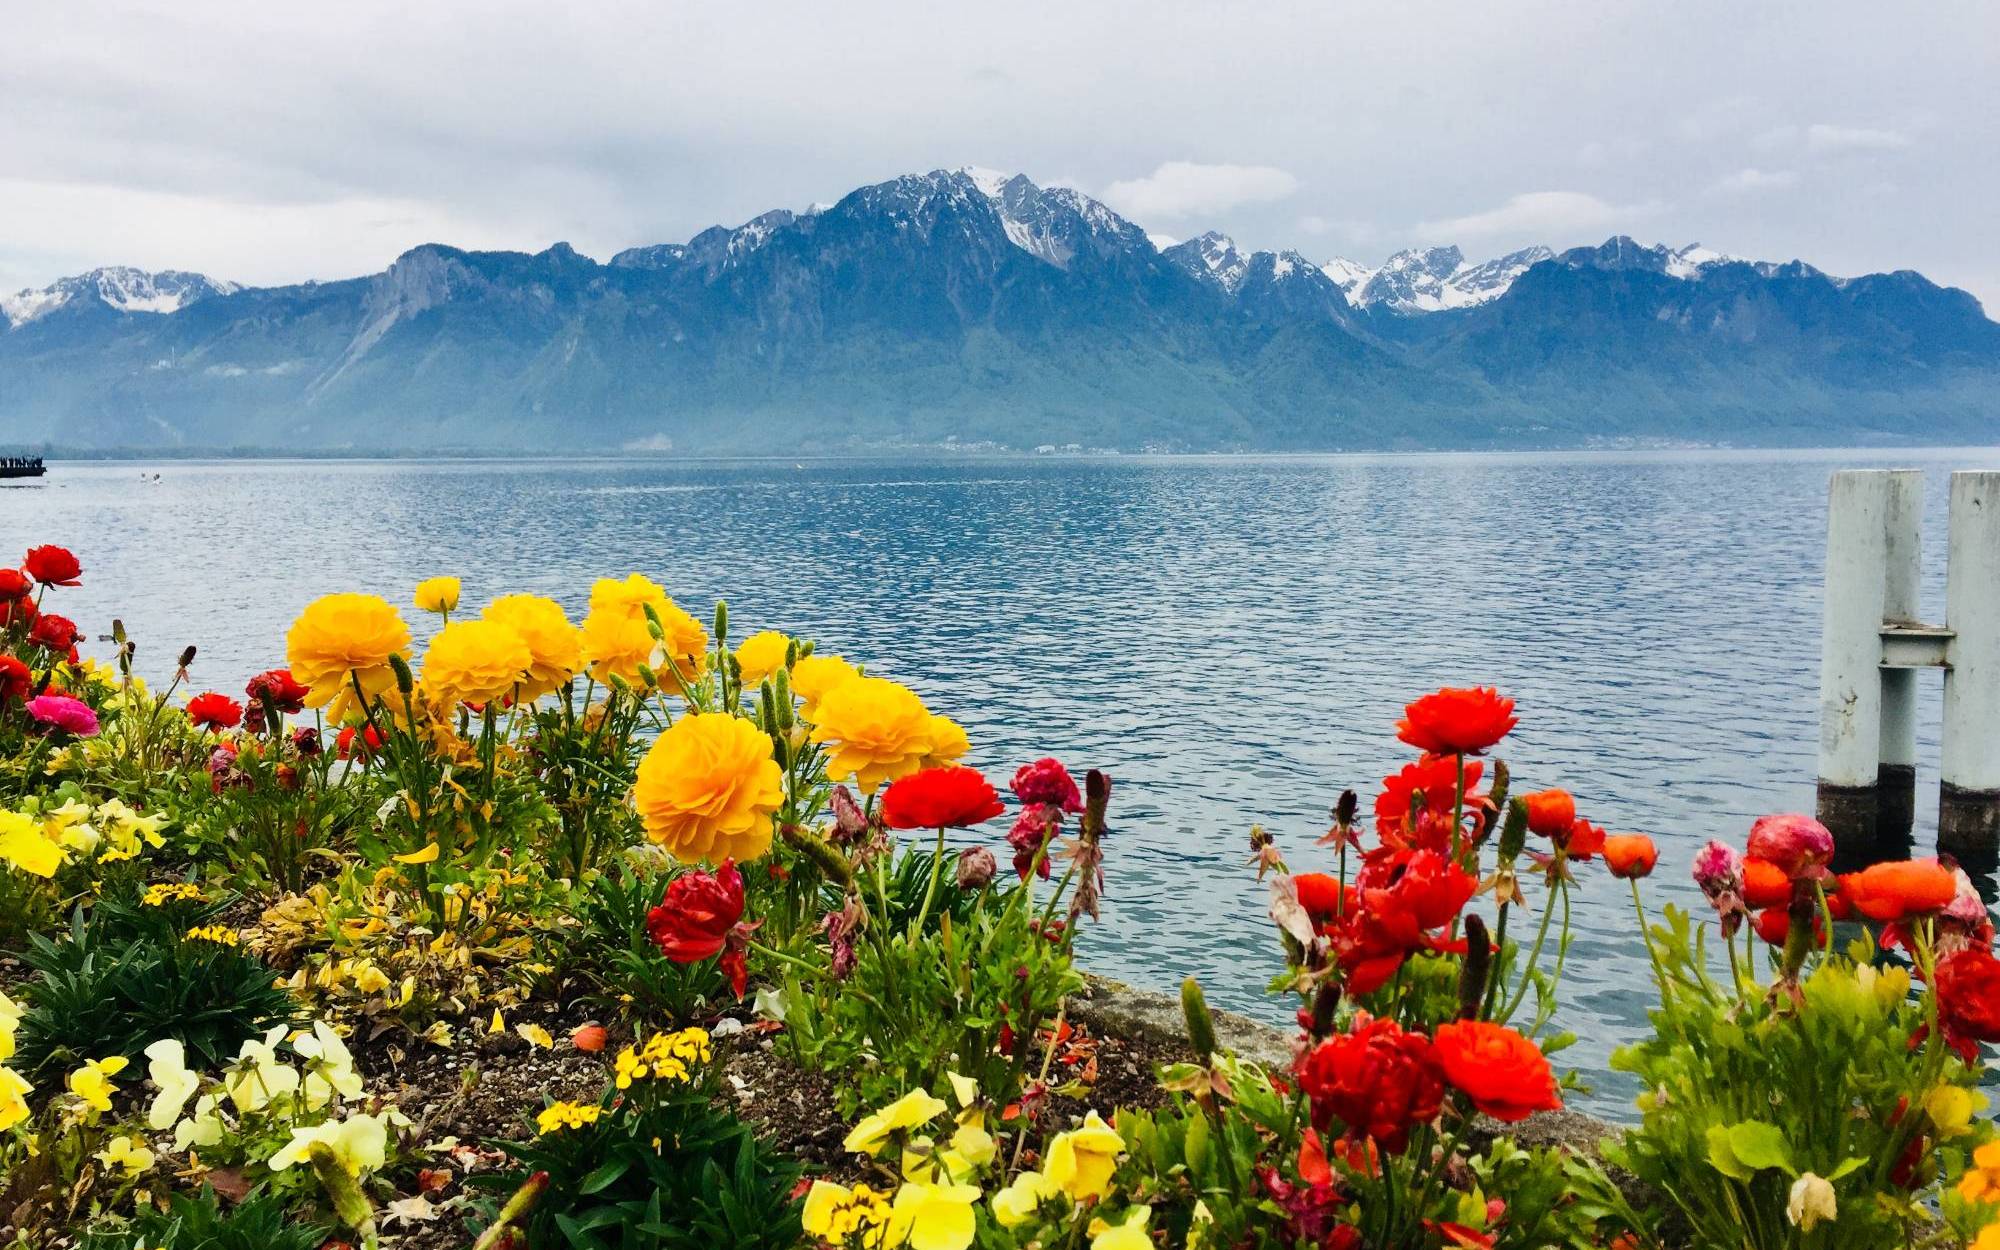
[664, 1057]
[559, 1115]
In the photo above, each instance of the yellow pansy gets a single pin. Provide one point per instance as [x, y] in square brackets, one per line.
[1129, 1234]
[360, 1143]
[14, 1090]
[167, 1067]
[126, 1154]
[93, 1084]
[1017, 1204]
[912, 1110]
[877, 730]
[836, 1214]
[330, 1067]
[23, 845]
[933, 1217]
[761, 654]
[438, 594]
[10, 1022]
[1082, 1160]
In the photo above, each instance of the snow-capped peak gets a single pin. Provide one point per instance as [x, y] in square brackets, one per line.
[1349, 275]
[990, 181]
[119, 287]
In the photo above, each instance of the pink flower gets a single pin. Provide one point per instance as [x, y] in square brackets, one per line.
[1036, 823]
[1718, 870]
[59, 711]
[1047, 781]
[1799, 845]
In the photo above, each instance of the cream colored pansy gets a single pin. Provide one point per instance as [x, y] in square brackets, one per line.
[329, 1066]
[972, 1144]
[257, 1077]
[167, 1067]
[93, 1084]
[127, 1154]
[203, 1128]
[912, 1110]
[963, 1088]
[1082, 1160]
[360, 1143]
[1017, 1204]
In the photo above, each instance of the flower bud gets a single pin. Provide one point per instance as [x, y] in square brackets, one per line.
[1345, 810]
[1200, 1024]
[1474, 971]
[975, 868]
[721, 621]
[406, 681]
[187, 656]
[1514, 833]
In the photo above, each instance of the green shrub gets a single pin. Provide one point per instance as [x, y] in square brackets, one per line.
[98, 996]
[260, 1222]
[618, 958]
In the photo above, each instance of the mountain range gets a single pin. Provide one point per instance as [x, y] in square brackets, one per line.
[975, 309]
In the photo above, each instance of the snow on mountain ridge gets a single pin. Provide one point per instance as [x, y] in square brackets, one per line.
[120, 287]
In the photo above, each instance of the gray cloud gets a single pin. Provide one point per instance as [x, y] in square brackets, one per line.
[277, 142]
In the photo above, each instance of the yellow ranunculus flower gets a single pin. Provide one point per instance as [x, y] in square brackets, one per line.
[92, 1082]
[1950, 1107]
[878, 730]
[476, 661]
[14, 1090]
[1016, 1204]
[912, 1110]
[707, 788]
[1981, 1182]
[1989, 1237]
[616, 639]
[341, 639]
[761, 655]
[438, 594]
[933, 1217]
[814, 675]
[948, 743]
[1129, 1235]
[555, 647]
[1081, 1161]
[23, 845]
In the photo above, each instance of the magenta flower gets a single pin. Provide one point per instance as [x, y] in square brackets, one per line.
[1799, 845]
[1046, 781]
[59, 711]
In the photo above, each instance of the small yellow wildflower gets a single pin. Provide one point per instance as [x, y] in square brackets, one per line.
[172, 892]
[562, 1115]
[220, 935]
[663, 1057]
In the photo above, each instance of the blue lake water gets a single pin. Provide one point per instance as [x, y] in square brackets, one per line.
[1232, 639]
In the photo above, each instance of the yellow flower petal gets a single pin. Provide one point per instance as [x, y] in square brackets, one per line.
[426, 856]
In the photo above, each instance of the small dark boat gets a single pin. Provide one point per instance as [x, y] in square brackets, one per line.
[21, 466]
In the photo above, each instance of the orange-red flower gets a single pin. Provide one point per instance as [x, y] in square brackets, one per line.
[1765, 884]
[1457, 721]
[1323, 896]
[57, 633]
[1550, 812]
[1376, 1079]
[1506, 1075]
[1433, 776]
[939, 798]
[53, 566]
[1630, 855]
[1582, 840]
[16, 680]
[214, 711]
[699, 918]
[1900, 888]
[14, 584]
[1968, 990]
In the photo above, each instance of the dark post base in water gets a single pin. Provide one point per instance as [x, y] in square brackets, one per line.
[1895, 808]
[1969, 825]
[1870, 823]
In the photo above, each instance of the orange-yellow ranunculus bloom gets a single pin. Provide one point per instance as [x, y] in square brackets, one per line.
[1981, 1182]
[877, 730]
[555, 647]
[814, 675]
[707, 788]
[341, 639]
[1081, 1161]
[616, 639]
[476, 661]
[761, 655]
[948, 743]
[437, 594]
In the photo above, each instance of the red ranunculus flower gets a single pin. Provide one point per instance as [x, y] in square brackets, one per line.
[57, 633]
[1900, 888]
[1550, 812]
[14, 584]
[214, 711]
[279, 690]
[1506, 1075]
[700, 918]
[16, 680]
[1047, 781]
[1323, 896]
[1414, 892]
[362, 741]
[1436, 778]
[1376, 1079]
[1765, 884]
[939, 798]
[20, 611]
[1630, 855]
[1583, 840]
[1457, 722]
[1968, 990]
[53, 566]
[1798, 845]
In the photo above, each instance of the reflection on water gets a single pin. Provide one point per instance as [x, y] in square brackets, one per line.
[1231, 638]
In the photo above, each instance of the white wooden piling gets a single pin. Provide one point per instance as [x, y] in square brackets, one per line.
[1969, 794]
[1862, 508]
[1896, 777]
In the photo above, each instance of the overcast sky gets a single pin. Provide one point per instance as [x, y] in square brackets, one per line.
[274, 142]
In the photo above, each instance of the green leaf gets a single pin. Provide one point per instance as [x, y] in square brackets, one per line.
[603, 1177]
[1722, 1157]
[1759, 1145]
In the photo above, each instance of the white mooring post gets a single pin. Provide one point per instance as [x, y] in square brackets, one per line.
[1871, 644]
